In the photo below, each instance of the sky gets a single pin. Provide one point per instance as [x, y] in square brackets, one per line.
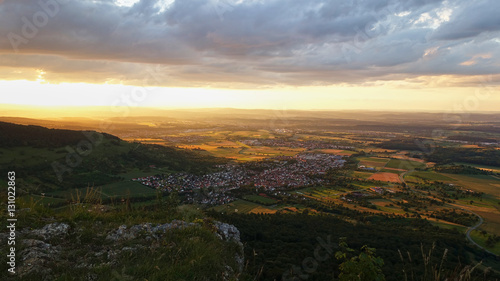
[421, 55]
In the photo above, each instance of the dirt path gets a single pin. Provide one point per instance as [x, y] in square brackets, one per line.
[402, 177]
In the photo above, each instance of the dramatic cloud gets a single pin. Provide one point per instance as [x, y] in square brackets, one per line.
[235, 43]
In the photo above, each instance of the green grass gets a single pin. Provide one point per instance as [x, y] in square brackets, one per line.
[405, 164]
[363, 175]
[259, 199]
[122, 189]
[137, 173]
[392, 171]
[238, 206]
[43, 200]
[432, 176]
[483, 183]
[29, 156]
[481, 240]
[448, 226]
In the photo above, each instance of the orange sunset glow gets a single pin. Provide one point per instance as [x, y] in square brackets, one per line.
[175, 54]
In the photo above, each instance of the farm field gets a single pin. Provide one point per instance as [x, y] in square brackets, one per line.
[238, 206]
[374, 164]
[491, 221]
[405, 164]
[320, 193]
[375, 159]
[363, 175]
[262, 210]
[395, 171]
[383, 205]
[271, 151]
[242, 152]
[481, 183]
[431, 176]
[259, 134]
[384, 176]
[448, 225]
[259, 199]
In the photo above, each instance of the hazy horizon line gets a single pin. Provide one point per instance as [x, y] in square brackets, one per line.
[166, 108]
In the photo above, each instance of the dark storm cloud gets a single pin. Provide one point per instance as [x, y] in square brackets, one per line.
[221, 42]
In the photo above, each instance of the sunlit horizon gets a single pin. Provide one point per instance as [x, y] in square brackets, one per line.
[415, 56]
[390, 97]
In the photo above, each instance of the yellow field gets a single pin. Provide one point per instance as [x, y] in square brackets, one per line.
[491, 221]
[262, 210]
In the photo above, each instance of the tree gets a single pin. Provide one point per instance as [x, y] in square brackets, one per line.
[363, 267]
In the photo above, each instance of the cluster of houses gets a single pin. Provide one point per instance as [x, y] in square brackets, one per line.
[210, 198]
[278, 173]
[377, 189]
[364, 168]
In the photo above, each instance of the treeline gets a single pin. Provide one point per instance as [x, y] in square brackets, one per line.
[173, 159]
[102, 166]
[471, 139]
[445, 155]
[413, 144]
[462, 218]
[12, 135]
[461, 169]
[72, 165]
[282, 243]
[449, 155]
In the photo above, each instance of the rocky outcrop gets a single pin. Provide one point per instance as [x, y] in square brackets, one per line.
[46, 248]
[36, 257]
[227, 232]
[124, 233]
[230, 233]
[49, 231]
